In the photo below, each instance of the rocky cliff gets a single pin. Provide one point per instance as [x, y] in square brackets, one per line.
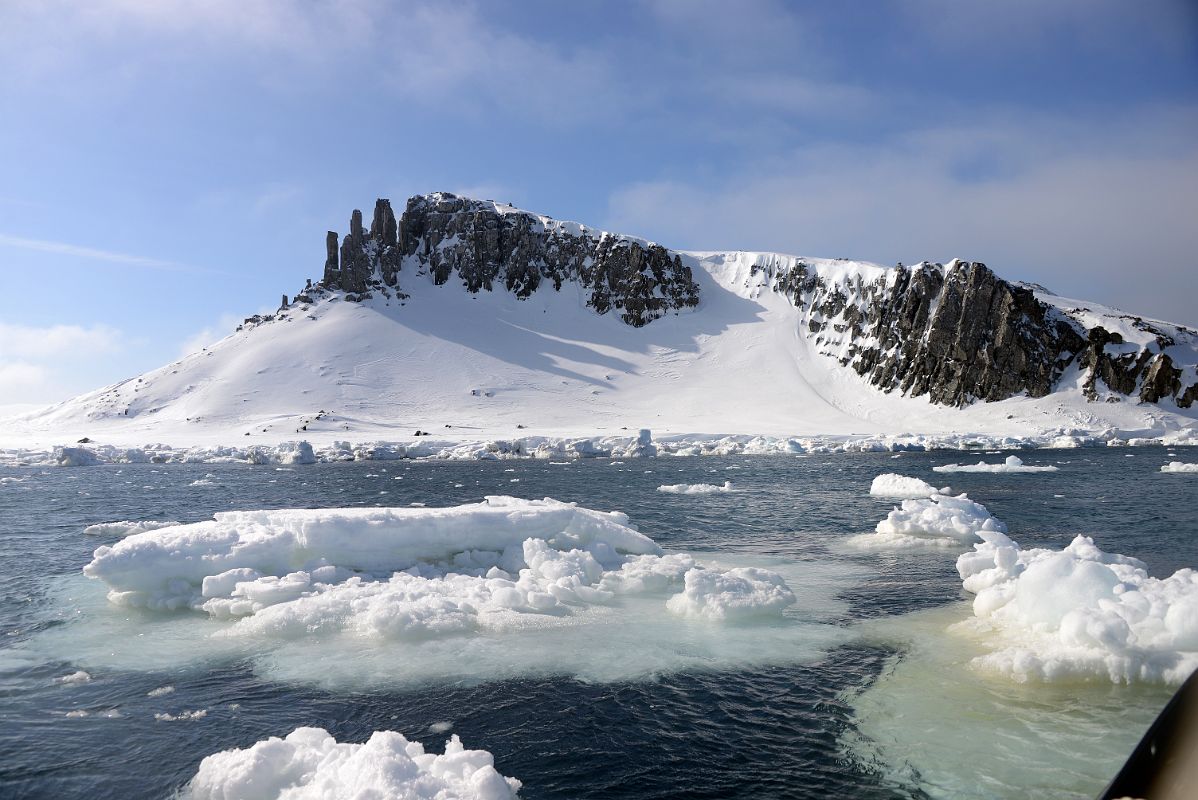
[955, 333]
[959, 333]
[486, 247]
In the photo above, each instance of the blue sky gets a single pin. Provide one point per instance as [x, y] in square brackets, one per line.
[169, 167]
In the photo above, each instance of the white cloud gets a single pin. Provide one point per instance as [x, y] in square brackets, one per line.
[43, 364]
[417, 51]
[93, 254]
[57, 341]
[1101, 214]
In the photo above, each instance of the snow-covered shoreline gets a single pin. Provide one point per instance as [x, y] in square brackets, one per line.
[559, 448]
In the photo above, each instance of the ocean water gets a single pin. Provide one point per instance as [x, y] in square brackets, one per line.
[879, 707]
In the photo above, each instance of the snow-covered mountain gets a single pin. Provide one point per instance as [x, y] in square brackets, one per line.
[473, 321]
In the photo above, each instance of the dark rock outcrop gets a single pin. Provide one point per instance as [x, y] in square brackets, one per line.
[956, 334]
[489, 247]
[1162, 380]
[959, 333]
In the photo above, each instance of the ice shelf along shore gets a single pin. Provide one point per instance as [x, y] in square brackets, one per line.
[558, 448]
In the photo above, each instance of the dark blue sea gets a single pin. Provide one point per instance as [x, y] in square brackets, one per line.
[762, 732]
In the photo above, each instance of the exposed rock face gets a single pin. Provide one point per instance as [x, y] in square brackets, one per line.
[960, 333]
[956, 334]
[490, 247]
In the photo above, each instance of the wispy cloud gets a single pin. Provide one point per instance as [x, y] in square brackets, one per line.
[1096, 214]
[95, 254]
[44, 363]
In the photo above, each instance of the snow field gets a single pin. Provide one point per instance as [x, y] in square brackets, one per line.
[309, 764]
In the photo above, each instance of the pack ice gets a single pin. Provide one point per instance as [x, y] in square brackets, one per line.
[400, 573]
[1012, 464]
[902, 487]
[695, 488]
[938, 521]
[1079, 613]
[309, 764]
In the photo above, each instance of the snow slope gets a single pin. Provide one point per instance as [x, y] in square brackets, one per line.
[478, 367]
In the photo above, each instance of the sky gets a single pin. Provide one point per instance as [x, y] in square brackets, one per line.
[168, 168]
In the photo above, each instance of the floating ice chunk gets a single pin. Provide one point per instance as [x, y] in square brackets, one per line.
[736, 593]
[74, 678]
[182, 716]
[1012, 464]
[939, 520]
[440, 727]
[296, 453]
[695, 488]
[1080, 613]
[166, 569]
[127, 527]
[74, 457]
[1179, 466]
[362, 596]
[309, 764]
[161, 691]
[902, 487]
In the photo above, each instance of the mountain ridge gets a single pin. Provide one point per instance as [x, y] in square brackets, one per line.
[482, 322]
[956, 333]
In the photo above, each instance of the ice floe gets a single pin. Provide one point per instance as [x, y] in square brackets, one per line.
[74, 678]
[1179, 466]
[902, 487]
[361, 597]
[1079, 613]
[242, 561]
[309, 764]
[1012, 464]
[182, 716]
[127, 527]
[401, 573]
[695, 488]
[738, 592]
[936, 521]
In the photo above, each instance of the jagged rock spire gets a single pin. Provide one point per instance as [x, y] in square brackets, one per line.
[353, 267]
